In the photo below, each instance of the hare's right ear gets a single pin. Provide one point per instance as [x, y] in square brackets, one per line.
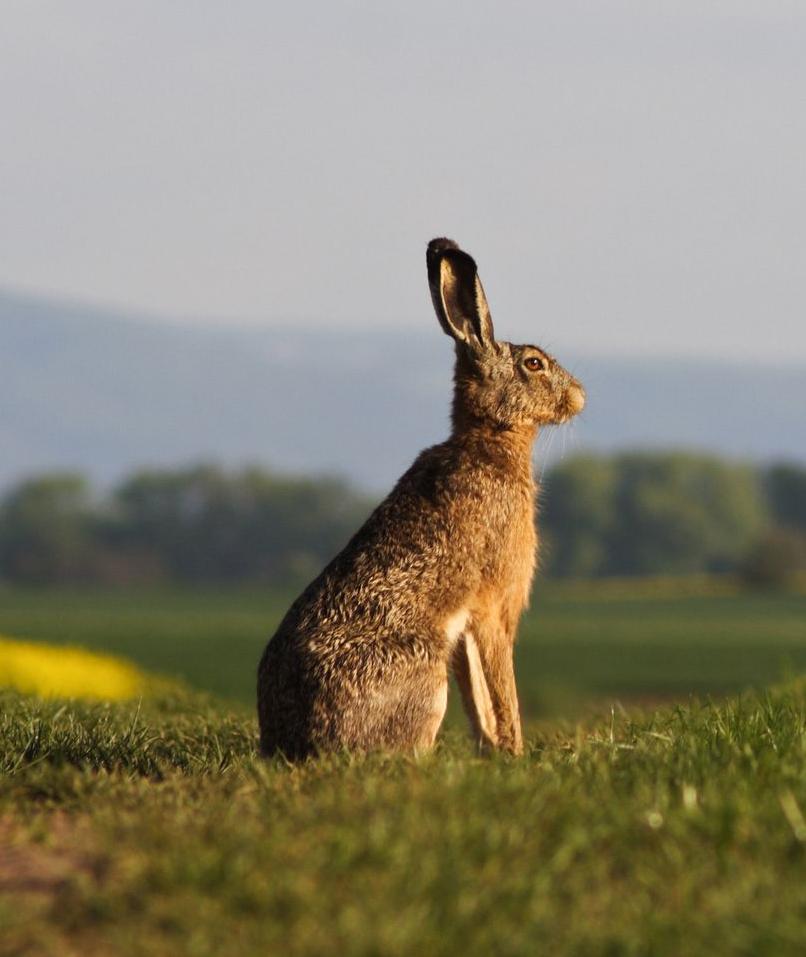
[458, 295]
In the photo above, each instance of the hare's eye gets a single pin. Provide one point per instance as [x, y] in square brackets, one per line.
[534, 364]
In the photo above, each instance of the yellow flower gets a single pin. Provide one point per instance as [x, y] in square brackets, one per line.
[67, 672]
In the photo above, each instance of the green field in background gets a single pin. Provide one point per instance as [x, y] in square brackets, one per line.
[628, 640]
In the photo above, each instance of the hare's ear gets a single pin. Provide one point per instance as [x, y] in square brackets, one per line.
[458, 295]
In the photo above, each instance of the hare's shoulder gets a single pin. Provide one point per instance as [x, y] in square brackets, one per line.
[408, 535]
[441, 520]
[462, 467]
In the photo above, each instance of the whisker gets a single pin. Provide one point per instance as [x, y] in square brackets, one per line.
[546, 451]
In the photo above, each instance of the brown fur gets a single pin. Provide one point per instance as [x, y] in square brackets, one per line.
[438, 576]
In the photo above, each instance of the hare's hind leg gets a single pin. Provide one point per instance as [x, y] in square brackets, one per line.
[405, 714]
[433, 715]
[284, 705]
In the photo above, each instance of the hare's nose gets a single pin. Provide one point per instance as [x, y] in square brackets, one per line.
[575, 397]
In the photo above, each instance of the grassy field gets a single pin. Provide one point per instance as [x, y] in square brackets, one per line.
[153, 829]
[645, 640]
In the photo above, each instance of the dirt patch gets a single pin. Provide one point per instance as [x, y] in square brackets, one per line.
[40, 856]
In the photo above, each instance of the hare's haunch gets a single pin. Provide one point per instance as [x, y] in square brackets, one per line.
[438, 576]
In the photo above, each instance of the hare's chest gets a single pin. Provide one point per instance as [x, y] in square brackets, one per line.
[513, 548]
[524, 562]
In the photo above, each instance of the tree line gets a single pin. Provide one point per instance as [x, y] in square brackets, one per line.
[630, 514]
[674, 513]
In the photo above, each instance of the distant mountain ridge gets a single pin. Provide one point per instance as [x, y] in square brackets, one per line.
[104, 393]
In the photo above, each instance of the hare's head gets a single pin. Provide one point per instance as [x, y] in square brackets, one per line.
[506, 384]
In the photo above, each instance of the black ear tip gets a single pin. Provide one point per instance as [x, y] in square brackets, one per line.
[440, 245]
[442, 248]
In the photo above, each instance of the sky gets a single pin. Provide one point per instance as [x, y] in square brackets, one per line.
[628, 175]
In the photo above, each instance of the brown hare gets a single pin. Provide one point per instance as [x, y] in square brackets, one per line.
[439, 574]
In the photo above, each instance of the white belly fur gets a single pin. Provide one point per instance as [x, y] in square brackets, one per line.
[455, 626]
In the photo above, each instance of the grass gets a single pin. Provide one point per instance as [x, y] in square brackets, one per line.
[153, 828]
[628, 640]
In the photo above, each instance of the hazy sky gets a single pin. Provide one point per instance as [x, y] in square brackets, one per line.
[631, 177]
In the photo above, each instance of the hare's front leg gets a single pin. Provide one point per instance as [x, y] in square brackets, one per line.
[475, 694]
[494, 644]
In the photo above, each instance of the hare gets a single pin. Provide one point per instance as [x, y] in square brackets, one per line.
[438, 576]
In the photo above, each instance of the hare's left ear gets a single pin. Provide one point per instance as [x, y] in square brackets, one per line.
[458, 295]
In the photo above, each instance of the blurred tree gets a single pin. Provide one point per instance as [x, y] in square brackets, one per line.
[650, 513]
[205, 524]
[577, 513]
[775, 558]
[680, 513]
[785, 485]
[46, 530]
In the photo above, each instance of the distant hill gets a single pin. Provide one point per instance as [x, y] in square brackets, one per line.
[105, 393]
